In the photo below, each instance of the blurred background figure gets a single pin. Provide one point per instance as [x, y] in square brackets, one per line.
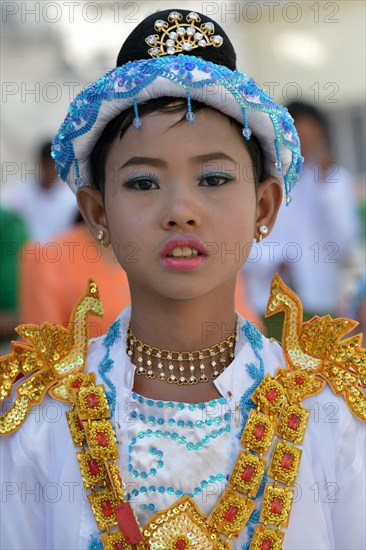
[53, 280]
[13, 234]
[316, 236]
[46, 204]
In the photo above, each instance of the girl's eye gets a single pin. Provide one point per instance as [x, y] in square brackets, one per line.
[142, 183]
[215, 180]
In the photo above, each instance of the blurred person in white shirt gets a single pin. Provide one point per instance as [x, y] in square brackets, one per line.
[46, 205]
[315, 234]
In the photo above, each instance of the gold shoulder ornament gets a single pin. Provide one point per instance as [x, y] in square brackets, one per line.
[315, 353]
[52, 353]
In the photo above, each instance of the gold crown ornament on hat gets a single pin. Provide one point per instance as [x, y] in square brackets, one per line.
[176, 37]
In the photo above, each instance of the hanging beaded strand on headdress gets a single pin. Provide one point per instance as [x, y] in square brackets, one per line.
[152, 361]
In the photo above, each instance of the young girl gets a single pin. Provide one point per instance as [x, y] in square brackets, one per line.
[179, 162]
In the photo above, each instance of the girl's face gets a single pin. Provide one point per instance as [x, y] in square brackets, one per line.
[180, 204]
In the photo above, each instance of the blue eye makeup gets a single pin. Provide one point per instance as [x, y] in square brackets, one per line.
[215, 179]
[150, 182]
[143, 182]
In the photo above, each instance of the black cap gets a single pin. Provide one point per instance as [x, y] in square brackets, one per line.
[135, 46]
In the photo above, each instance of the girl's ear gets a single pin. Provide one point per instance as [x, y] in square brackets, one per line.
[91, 205]
[269, 199]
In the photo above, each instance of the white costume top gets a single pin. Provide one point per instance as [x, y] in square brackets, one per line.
[169, 449]
[312, 237]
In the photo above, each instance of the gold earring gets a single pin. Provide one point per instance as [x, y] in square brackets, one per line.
[263, 230]
[100, 236]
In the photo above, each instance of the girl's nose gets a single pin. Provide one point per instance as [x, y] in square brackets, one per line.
[182, 210]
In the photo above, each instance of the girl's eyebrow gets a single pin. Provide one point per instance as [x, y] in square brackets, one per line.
[152, 161]
[219, 155]
[133, 161]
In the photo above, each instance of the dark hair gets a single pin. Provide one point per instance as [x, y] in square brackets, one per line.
[119, 125]
[299, 109]
[45, 150]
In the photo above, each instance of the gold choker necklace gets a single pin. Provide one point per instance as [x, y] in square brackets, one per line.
[153, 362]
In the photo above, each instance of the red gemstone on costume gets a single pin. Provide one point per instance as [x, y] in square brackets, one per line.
[76, 384]
[294, 421]
[286, 461]
[127, 523]
[248, 473]
[80, 424]
[266, 544]
[94, 467]
[181, 544]
[102, 439]
[276, 505]
[299, 380]
[259, 431]
[92, 400]
[272, 395]
[119, 546]
[231, 513]
[107, 508]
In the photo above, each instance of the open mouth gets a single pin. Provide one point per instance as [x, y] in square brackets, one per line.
[183, 252]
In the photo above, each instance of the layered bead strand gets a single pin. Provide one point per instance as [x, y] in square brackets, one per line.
[177, 367]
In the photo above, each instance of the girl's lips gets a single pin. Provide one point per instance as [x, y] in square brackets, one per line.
[184, 264]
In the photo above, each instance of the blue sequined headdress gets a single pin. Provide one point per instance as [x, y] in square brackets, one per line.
[177, 75]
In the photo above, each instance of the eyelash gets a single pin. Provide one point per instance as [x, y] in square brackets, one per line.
[132, 183]
[222, 175]
[151, 178]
